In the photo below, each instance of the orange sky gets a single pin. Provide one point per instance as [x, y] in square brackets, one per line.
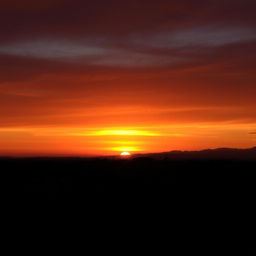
[102, 77]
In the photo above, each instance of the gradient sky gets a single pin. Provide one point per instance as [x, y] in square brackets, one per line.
[98, 77]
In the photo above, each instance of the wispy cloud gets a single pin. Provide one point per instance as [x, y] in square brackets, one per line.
[80, 52]
[51, 49]
[197, 36]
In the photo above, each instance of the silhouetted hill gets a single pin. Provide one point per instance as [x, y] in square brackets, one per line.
[208, 154]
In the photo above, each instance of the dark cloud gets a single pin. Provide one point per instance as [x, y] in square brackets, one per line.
[112, 18]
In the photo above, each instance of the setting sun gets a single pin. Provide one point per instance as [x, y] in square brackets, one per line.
[125, 154]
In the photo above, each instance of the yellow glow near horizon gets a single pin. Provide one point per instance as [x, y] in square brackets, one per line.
[125, 149]
[123, 133]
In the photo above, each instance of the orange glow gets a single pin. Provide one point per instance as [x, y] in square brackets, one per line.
[113, 140]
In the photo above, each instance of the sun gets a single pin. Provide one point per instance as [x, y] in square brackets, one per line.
[125, 154]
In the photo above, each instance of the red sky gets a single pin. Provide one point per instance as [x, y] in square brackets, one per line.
[105, 76]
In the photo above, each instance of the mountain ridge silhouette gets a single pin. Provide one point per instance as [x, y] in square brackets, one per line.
[216, 153]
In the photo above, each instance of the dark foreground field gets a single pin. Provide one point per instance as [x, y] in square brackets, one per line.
[211, 202]
[141, 179]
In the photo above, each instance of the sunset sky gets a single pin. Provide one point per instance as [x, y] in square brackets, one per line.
[101, 77]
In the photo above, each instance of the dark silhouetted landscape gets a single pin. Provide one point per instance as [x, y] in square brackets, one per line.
[148, 177]
[205, 191]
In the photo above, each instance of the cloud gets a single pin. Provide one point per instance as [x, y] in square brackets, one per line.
[86, 54]
[198, 36]
[51, 49]
[73, 36]
[21, 20]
